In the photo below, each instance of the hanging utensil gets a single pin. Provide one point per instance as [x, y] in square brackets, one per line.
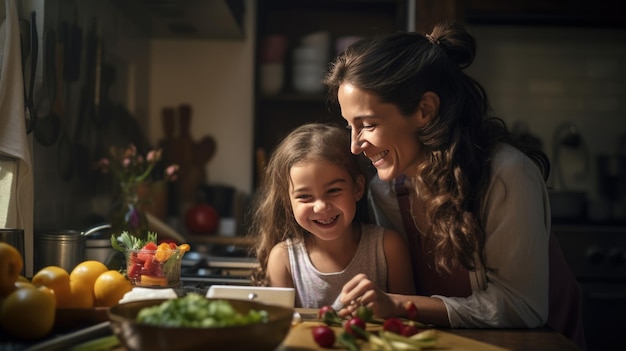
[49, 126]
[31, 114]
[65, 154]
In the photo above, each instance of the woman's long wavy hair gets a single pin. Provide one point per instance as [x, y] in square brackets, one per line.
[273, 220]
[459, 142]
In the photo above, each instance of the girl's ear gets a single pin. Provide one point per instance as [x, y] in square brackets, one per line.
[428, 108]
[359, 187]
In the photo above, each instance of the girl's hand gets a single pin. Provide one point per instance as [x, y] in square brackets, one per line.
[360, 290]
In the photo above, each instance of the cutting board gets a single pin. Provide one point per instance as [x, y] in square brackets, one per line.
[300, 338]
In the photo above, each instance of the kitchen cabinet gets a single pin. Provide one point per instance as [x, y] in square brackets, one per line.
[329, 21]
[600, 13]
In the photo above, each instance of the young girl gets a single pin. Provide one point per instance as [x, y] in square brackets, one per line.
[304, 222]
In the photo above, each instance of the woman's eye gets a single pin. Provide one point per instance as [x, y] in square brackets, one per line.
[368, 126]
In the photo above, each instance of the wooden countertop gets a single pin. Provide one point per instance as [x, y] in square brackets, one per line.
[518, 339]
[543, 339]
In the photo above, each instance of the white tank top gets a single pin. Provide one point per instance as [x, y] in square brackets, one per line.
[315, 289]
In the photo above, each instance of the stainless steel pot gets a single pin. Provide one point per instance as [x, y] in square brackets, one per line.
[98, 246]
[62, 248]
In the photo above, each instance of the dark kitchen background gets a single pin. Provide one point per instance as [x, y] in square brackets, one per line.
[555, 71]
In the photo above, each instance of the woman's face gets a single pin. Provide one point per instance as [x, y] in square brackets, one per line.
[323, 198]
[381, 132]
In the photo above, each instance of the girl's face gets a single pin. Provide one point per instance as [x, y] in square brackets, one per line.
[323, 198]
[381, 132]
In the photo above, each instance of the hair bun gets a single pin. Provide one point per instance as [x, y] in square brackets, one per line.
[456, 41]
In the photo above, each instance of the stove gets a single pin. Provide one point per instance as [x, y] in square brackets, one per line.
[596, 255]
[200, 270]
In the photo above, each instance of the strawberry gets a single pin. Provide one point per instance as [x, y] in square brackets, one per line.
[149, 246]
[134, 272]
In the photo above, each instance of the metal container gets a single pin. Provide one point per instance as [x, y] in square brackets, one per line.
[98, 247]
[63, 248]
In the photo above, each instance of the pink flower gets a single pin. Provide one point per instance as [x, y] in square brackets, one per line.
[151, 156]
[171, 172]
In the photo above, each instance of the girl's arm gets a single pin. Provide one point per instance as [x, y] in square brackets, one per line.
[399, 270]
[278, 272]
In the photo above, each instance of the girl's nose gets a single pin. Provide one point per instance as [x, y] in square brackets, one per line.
[321, 206]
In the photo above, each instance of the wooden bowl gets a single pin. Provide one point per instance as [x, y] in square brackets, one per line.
[136, 336]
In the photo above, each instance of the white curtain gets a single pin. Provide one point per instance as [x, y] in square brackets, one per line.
[16, 173]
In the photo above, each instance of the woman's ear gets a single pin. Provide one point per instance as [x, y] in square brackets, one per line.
[428, 108]
[359, 187]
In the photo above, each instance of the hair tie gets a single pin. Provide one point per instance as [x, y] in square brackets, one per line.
[432, 39]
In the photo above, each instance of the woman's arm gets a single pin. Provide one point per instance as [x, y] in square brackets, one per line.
[517, 223]
[399, 270]
[278, 272]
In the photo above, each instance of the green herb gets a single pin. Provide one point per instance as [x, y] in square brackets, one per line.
[196, 311]
[127, 241]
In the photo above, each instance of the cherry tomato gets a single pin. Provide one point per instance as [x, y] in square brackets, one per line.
[393, 325]
[365, 313]
[356, 321]
[324, 336]
[411, 310]
[409, 330]
[322, 312]
[329, 316]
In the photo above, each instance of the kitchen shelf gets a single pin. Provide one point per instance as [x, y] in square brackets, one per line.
[276, 115]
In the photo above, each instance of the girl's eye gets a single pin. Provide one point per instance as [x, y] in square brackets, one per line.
[303, 196]
[368, 126]
[334, 190]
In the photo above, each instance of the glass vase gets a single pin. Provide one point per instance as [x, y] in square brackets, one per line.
[127, 215]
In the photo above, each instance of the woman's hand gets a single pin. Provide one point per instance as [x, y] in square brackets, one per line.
[360, 290]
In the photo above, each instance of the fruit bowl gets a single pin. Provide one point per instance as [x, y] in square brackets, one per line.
[135, 336]
[154, 268]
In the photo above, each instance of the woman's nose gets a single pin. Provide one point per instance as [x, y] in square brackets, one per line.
[356, 144]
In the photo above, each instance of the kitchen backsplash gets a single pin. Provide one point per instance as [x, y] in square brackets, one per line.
[543, 77]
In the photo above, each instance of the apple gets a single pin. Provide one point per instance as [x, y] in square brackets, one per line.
[202, 218]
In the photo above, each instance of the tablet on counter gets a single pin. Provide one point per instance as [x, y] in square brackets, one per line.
[276, 296]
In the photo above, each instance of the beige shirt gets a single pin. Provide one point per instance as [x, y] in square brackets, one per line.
[516, 216]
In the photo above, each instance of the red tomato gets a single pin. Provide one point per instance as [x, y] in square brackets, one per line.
[202, 219]
[409, 330]
[356, 321]
[393, 325]
[324, 336]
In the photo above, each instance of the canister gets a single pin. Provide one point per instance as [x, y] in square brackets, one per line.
[64, 248]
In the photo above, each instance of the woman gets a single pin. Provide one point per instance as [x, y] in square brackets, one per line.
[476, 213]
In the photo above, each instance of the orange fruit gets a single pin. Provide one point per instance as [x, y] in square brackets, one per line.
[11, 264]
[110, 287]
[28, 313]
[58, 280]
[148, 280]
[81, 292]
[85, 275]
